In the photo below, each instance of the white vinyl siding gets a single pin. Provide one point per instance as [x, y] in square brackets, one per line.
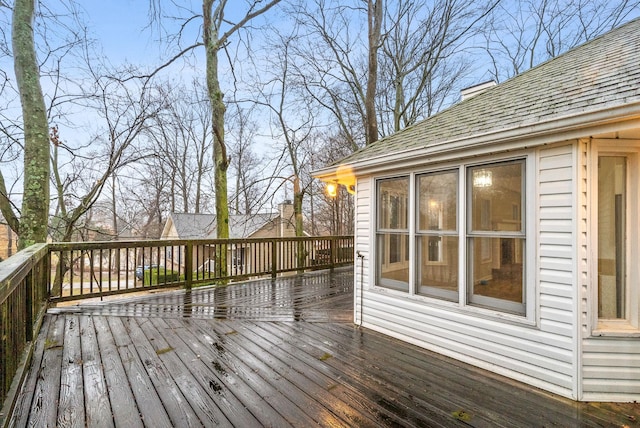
[611, 369]
[610, 365]
[363, 236]
[556, 252]
[537, 350]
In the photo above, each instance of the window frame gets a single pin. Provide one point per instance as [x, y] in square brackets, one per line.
[530, 314]
[472, 236]
[442, 234]
[630, 325]
[388, 233]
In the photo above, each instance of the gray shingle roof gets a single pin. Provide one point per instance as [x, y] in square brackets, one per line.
[201, 226]
[598, 75]
[193, 226]
[243, 226]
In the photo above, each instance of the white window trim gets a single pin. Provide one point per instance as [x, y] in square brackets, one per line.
[629, 327]
[416, 288]
[500, 305]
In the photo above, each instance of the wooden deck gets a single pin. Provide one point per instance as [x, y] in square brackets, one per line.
[265, 353]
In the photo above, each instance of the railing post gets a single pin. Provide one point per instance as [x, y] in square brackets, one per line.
[188, 265]
[28, 319]
[274, 259]
[332, 252]
[300, 256]
[45, 284]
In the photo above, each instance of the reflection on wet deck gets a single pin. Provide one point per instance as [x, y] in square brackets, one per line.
[310, 297]
[254, 354]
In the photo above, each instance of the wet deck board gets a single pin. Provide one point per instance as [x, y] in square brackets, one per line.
[145, 387]
[71, 410]
[120, 393]
[212, 358]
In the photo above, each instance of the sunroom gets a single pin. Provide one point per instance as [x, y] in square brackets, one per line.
[504, 231]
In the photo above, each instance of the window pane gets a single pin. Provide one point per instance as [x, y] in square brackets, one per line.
[496, 238]
[393, 260]
[438, 266]
[393, 203]
[496, 197]
[437, 195]
[392, 267]
[497, 272]
[612, 195]
[437, 242]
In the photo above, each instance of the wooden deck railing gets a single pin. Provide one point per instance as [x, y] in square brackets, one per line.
[94, 269]
[50, 273]
[23, 297]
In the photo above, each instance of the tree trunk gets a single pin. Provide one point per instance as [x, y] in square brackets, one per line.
[115, 261]
[220, 161]
[398, 106]
[374, 12]
[298, 196]
[35, 202]
[198, 189]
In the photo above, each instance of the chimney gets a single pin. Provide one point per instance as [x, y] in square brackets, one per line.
[287, 218]
[476, 89]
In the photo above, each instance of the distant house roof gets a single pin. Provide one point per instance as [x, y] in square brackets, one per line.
[203, 226]
[592, 83]
[243, 226]
[191, 226]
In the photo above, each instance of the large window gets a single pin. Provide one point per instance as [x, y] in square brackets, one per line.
[393, 233]
[617, 216]
[437, 234]
[496, 236]
[467, 230]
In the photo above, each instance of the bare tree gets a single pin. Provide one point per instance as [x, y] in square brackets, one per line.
[374, 28]
[215, 37]
[217, 31]
[250, 187]
[145, 198]
[421, 61]
[292, 120]
[81, 169]
[331, 63]
[342, 80]
[417, 44]
[57, 38]
[31, 226]
[182, 139]
[525, 33]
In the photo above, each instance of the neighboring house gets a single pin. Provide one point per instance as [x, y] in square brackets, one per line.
[203, 226]
[8, 241]
[505, 230]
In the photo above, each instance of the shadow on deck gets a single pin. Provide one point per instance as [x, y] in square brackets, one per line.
[265, 353]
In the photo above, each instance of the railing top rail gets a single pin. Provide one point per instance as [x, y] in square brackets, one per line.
[65, 246]
[15, 268]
